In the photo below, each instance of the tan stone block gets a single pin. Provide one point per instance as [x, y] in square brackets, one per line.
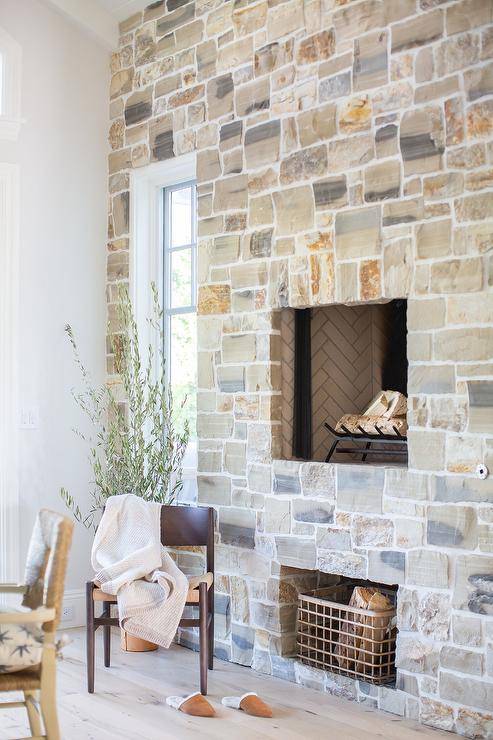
[208, 165]
[479, 120]
[355, 20]
[467, 157]
[431, 379]
[447, 413]
[422, 29]
[428, 568]
[249, 19]
[382, 181]
[401, 67]
[220, 96]
[303, 165]
[262, 144]
[370, 280]
[231, 193]
[466, 344]
[316, 48]
[252, 97]
[419, 347]
[322, 280]
[426, 450]
[476, 308]
[434, 239]
[347, 282]
[250, 274]
[468, 14]
[456, 53]
[370, 61]
[479, 180]
[284, 19]
[214, 299]
[294, 210]
[463, 454]
[357, 232]
[422, 140]
[423, 65]
[272, 56]
[345, 154]
[443, 186]
[386, 142]
[355, 115]
[239, 348]
[316, 125]
[226, 249]
[439, 89]
[397, 269]
[161, 138]
[425, 315]
[121, 83]
[396, 95]
[457, 276]
[474, 207]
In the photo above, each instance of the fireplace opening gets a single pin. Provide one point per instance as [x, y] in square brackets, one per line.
[349, 628]
[344, 383]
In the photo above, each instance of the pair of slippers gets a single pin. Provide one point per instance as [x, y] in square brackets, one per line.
[198, 706]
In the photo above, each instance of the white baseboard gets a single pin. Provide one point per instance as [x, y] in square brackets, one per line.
[74, 609]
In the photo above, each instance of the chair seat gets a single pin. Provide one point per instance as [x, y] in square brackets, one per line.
[192, 596]
[26, 680]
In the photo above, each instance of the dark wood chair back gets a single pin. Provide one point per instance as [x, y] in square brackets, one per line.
[187, 526]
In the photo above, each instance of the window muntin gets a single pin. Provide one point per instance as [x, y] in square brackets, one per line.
[180, 304]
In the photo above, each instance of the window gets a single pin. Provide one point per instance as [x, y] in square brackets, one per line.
[10, 87]
[180, 305]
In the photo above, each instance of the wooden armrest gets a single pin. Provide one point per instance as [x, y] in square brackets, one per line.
[12, 588]
[37, 615]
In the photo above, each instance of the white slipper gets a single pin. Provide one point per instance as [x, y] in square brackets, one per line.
[194, 704]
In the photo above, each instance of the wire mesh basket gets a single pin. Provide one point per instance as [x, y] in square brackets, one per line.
[346, 639]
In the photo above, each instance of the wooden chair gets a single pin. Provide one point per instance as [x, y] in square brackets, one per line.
[43, 594]
[180, 526]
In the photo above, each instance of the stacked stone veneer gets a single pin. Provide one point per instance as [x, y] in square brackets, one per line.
[344, 154]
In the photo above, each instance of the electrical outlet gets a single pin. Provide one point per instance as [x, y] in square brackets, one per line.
[68, 613]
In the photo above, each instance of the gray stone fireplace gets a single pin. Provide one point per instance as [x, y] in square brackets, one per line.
[344, 155]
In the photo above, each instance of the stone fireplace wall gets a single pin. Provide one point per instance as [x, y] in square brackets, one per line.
[344, 154]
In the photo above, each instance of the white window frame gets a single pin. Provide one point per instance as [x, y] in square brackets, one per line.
[9, 416]
[146, 230]
[10, 88]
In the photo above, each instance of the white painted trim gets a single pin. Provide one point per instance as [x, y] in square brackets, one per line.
[92, 18]
[10, 110]
[9, 417]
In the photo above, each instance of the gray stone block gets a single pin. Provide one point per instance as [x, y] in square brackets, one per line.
[386, 566]
[297, 552]
[306, 510]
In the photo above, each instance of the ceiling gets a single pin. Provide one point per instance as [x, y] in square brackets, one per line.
[99, 18]
[122, 9]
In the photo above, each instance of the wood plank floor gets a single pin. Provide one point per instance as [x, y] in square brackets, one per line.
[129, 703]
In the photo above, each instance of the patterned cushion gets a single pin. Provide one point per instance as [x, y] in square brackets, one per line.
[21, 645]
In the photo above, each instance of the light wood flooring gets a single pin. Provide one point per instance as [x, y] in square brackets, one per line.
[129, 703]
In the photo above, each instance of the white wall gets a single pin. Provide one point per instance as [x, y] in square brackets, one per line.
[62, 154]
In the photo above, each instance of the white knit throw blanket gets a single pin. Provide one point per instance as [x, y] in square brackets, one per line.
[131, 563]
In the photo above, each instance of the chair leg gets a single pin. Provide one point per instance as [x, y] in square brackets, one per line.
[210, 603]
[107, 636]
[203, 637]
[48, 696]
[90, 637]
[31, 699]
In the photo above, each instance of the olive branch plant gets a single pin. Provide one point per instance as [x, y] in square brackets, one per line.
[135, 446]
